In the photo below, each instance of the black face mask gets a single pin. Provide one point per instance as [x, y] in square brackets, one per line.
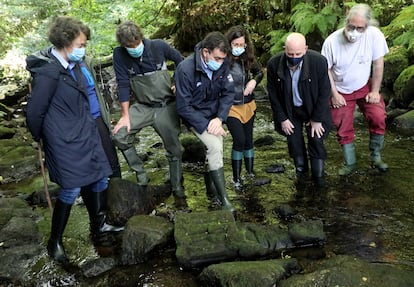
[294, 61]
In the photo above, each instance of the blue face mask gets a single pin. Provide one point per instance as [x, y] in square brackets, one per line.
[237, 51]
[77, 54]
[213, 65]
[136, 52]
[294, 61]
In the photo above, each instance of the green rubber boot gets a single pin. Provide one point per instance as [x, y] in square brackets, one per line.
[217, 177]
[136, 164]
[376, 144]
[348, 151]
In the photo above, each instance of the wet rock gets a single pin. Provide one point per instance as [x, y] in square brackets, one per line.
[350, 271]
[203, 238]
[17, 160]
[270, 237]
[126, 199]
[194, 150]
[307, 233]
[249, 273]
[211, 237]
[19, 239]
[285, 212]
[264, 141]
[142, 235]
[404, 124]
[97, 267]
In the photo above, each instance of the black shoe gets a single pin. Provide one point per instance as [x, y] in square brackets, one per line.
[275, 168]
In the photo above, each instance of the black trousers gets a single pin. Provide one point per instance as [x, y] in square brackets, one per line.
[242, 133]
[296, 141]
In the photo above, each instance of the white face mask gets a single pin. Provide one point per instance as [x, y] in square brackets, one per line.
[353, 35]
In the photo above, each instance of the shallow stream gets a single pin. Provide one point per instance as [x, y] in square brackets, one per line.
[368, 214]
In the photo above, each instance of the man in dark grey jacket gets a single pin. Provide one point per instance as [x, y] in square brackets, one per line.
[299, 91]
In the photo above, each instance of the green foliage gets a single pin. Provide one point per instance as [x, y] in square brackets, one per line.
[307, 19]
[277, 40]
[20, 18]
[401, 30]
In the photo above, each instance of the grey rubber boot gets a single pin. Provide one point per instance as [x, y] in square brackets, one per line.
[348, 151]
[137, 165]
[376, 144]
[176, 177]
[176, 181]
[217, 176]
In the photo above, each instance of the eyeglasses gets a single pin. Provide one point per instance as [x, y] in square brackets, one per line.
[351, 27]
[236, 45]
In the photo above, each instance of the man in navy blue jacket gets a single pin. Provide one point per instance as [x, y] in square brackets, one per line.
[205, 93]
[141, 70]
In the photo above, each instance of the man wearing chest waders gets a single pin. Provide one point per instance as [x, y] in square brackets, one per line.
[140, 69]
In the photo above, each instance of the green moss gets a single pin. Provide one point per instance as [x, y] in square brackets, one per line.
[394, 62]
[404, 86]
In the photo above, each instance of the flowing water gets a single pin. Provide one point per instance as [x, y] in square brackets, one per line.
[368, 214]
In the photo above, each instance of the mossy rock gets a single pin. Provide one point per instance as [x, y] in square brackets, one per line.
[6, 133]
[394, 62]
[404, 124]
[404, 87]
[18, 160]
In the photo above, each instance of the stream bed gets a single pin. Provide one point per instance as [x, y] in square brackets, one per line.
[368, 214]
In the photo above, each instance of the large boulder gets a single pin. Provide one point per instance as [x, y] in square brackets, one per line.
[404, 87]
[394, 63]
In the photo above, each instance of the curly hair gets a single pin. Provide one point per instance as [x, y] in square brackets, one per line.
[127, 32]
[237, 32]
[65, 29]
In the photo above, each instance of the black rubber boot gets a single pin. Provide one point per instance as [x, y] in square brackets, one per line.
[318, 172]
[301, 166]
[248, 163]
[237, 181]
[60, 217]
[218, 179]
[96, 205]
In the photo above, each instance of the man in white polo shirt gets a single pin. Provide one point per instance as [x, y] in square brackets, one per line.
[351, 51]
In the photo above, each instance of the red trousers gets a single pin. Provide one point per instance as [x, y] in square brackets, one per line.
[343, 117]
